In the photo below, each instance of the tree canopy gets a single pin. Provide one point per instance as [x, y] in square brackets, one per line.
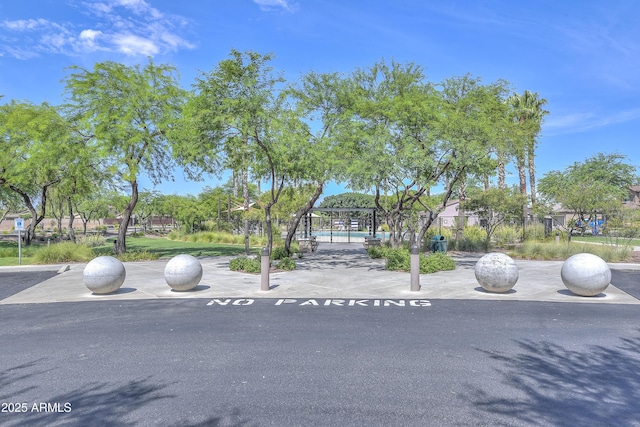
[594, 187]
[127, 112]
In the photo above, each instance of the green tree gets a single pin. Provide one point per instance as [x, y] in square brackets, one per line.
[594, 187]
[128, 112]
[9, 202]
[321, 102]
[227, 120]
[91, 207]
[348, 200]
[187, 212]
[39, 150]
[528, 112]
[410, 136]
[495, 207]
[146, 209]
[391, 137]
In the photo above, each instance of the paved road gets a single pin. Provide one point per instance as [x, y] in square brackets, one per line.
[200, 362]
[246, 361]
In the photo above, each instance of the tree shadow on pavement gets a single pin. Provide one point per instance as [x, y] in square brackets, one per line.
[95, 403]
[562, 387]
[14, 375]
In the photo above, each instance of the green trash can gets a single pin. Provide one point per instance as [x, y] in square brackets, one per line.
[438, 244]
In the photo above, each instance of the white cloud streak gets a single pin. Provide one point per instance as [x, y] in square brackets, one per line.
[129, 27]
[582, 122]
[272, 5]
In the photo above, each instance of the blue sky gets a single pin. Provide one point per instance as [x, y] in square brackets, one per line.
[582, 56]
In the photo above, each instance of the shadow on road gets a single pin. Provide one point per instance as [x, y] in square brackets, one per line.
[103, 404]
[563, 387]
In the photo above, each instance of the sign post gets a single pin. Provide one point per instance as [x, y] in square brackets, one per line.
[19, 226]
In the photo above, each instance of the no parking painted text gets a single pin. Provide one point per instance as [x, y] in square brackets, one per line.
[327, 302]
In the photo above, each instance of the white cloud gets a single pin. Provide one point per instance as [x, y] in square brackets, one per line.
[582, 122]
[133, 45]
[269, 5]
[130, 27]
[88, 38]
[26, 24]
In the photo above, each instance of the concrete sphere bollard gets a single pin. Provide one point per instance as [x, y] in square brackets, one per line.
[496, 272]
[183, 272]
[585, 274]
[104, 275]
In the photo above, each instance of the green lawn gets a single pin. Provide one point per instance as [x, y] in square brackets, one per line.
[9, 254]
[163, 248]
[166, 248]
[607, 240]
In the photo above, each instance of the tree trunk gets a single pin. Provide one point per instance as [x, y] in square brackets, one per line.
[245, 196]
[502, 175]
[235, 184]
[522, 175]
[35, 217]
[532, 171]
[121, 244]
[70, 231]
[85, 221]
[461, 200]
[300, 214]
[268, 226]
[58, 217]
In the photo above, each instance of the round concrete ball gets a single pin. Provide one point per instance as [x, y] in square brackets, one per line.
[183, 272]
[586, 275]
[104, 275]
[496, 272]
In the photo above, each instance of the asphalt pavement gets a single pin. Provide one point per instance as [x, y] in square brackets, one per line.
[338, 342]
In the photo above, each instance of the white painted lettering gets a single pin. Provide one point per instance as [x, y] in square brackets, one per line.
[420, 303]
[244, 301]
[220, 301]
[286, 301]
[309, 302]
[360, 303]
[338, 302]
[389, 302]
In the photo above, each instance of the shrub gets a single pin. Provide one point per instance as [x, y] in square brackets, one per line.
[91, 240]
[216, 237]
[174, 235]
[377, 252]
[137, 256]
[287, 264]
[551, 250]
[246, 264]
[278, 253]
[398, 259]
[63, 252]
[474, 240]
[9, 252]
[506, 235]
[534, 232]
[436, 262]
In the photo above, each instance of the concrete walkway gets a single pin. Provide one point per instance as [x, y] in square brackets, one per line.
[335, 271]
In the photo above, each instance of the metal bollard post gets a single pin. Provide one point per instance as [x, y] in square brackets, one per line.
[265, 264]
[415, 268]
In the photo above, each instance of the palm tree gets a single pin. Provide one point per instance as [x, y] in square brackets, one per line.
[528, 113]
